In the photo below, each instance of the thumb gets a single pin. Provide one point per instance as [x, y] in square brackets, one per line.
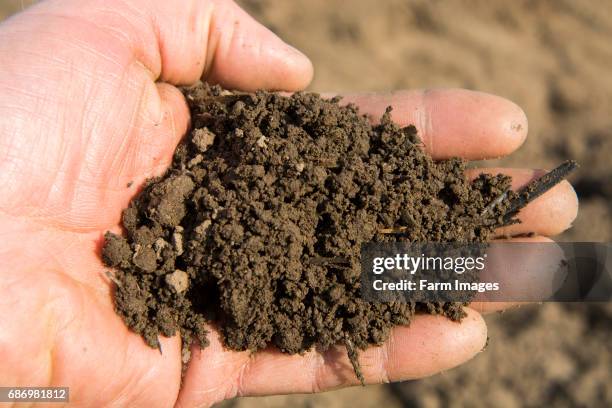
[178, 42]
[219, 42]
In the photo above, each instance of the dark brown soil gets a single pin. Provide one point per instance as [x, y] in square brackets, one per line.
[257, 225]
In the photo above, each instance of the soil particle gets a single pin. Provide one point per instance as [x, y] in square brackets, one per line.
[177, 240]
[167, 200]
[178, 280]
[257, 225]
[117, 251]
[202, 139]
[145, 259]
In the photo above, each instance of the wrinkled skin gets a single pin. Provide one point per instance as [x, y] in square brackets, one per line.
[88, 104]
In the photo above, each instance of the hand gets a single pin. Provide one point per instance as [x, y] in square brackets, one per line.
[88, 105]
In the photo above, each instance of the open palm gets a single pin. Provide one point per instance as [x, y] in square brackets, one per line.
[88, 111]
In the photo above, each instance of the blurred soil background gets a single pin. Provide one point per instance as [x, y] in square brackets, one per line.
[554, 59]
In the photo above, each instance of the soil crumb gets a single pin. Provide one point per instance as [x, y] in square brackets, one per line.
[258, 223]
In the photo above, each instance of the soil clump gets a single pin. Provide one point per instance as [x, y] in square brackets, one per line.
[258, 223]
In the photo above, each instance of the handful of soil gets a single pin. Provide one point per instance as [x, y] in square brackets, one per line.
[257, 225]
